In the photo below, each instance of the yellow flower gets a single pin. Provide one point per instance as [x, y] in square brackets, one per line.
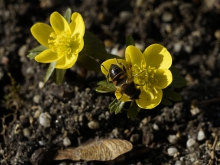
[64, 41]
[149, 71]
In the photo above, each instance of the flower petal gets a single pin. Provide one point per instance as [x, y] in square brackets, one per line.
[105, 66]
[81, 45]
[47, 56]
[58, 23]
[77, 25]
[144, 100]
[149, 99]
[134, 56]
[164, 78]
[41, 33]
[157, 56]
[65, 62]
[121, 97]
[158, 94]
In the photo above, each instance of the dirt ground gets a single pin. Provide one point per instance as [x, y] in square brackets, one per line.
[186, 133]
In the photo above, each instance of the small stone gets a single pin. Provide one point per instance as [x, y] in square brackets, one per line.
[139, 3]
[168, 28]
[191, 143]
[188, 48]
[93, 124]
[62, 163]
[30, 70]
[40, 85]
[36, 99]
[37, 114]
[172, 151]
[177, 47]
[115, 132]
[139, 45]
[179, 162]
[155, 127]
[42, 142]
[134, 138]
[44, 119]
[66, 141]
[201, 135]
[23, 50]
[26, 132]
[172, 139]
[194, 111]
[167, 17]
[125, 15]
[217, 34]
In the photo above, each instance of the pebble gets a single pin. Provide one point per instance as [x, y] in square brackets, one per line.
[172, 139]
[23, 51]
[217, 34]
[139, 3]
[188, 48]
[179, 162]
[177, 47]
[93, 124]
[42, 142]
[172, 151]
[167, 17]
[30, 70]
[194, 111]
[44, 119]
[37, 113]
[134, 138]
[191, 143]
[36, 99]
[115, 132]
[26, 132]
[62, 163]
[201, 135]
[155, 127]
[125, 15]
[66, 141]
[40, 85]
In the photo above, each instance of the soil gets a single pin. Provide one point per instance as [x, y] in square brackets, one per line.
[184, 133]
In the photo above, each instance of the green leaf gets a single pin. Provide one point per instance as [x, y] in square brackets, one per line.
[116, 106]
[58, 75]
[67, 14]
[129, 40]
[165, 101]
[133, 110]
[119, 107]
[112, 104]
[178, 81]
[171, 95]
[49, 71]
[35, 51]
[88, 62]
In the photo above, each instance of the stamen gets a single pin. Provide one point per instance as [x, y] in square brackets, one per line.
[64, 44]
[144, 76]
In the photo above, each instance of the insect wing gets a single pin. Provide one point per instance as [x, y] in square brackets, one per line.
[105, 87]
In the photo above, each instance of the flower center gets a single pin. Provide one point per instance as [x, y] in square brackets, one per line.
[64, 44]
[144, 76]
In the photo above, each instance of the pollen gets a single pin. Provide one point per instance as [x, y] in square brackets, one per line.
[144, 76]
[64, 44]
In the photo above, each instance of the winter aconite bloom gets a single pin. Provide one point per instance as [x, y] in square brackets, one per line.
[64, 40]
[149, 71]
